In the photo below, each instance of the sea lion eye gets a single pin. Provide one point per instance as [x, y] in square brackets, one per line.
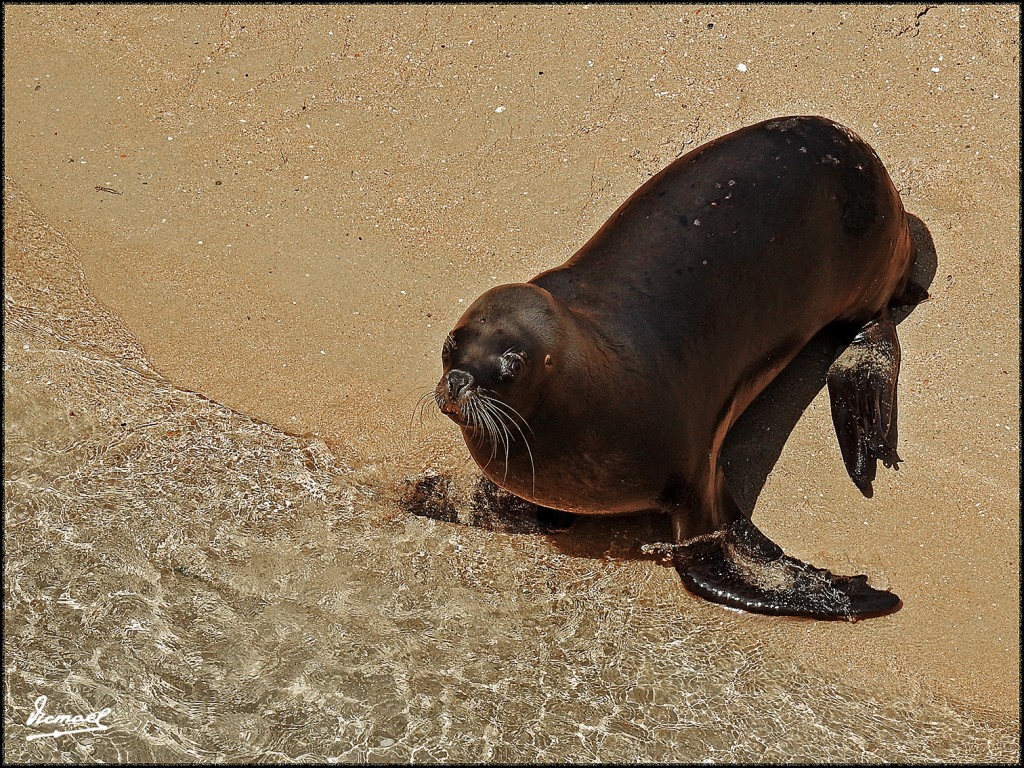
[512, 364]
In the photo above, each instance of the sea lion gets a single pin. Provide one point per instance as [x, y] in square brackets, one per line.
[607, 385]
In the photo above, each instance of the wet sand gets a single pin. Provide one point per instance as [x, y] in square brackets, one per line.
[289, 207]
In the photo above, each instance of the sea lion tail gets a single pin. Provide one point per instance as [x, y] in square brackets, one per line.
[740, 567]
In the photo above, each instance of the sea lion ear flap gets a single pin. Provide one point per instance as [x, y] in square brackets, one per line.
[548, 360]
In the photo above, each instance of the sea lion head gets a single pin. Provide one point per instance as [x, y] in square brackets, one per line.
[498, 360]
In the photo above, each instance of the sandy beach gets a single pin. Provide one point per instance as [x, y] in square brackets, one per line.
[288, 207]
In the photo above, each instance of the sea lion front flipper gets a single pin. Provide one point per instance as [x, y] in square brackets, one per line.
[862, 390]
[740, 567]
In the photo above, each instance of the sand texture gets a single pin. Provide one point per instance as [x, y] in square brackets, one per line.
[284, 209]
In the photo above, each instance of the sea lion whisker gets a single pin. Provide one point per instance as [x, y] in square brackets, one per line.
[503, 408]
[489, 425]
[509, 411]
[529, 453]
[439, 399]
[492, 428]
[472, 413]
[498, 405]
[475, 421]
[487, 420]
[421, 406]
[505, 436]
[417, 411]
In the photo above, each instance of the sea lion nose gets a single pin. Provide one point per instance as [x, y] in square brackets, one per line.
[458, 382]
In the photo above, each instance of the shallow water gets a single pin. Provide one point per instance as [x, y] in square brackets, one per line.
[234, 593]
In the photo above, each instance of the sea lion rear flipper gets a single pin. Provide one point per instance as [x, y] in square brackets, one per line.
[862, 390]
[740, 567]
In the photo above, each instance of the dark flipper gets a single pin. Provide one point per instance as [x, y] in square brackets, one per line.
[862, 388]
[740, 567]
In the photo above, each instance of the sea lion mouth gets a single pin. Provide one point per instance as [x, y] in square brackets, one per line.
[454, 394]
[461, 398]
[483, 414]
[452, 411]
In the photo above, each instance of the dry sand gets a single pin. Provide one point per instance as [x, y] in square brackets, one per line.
[290, 206]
